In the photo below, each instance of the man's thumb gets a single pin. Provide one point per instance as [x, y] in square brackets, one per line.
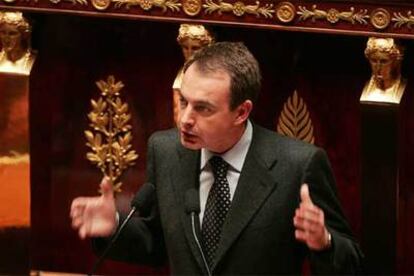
[106, 187]
[304, 194]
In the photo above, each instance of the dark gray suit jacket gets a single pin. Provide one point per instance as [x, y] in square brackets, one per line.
[258, 234]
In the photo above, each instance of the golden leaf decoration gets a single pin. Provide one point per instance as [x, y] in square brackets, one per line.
[239, 8]
[110, 137]
[74, 2]
[294, 121]
[333, 15]
[165, 5]
[401, 19]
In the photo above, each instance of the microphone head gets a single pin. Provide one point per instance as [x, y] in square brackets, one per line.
[144, 197]
[192, 201]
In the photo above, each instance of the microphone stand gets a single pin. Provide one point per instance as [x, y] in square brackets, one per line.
[114, 238]
[198, 244]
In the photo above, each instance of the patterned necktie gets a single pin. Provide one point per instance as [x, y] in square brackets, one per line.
[217, 206]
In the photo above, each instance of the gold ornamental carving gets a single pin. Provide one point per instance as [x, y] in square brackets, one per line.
[333, 15]
[294, 120]
[191, 7]
[74, 2]
[401, 20]
[147, 5]
[285, 12]
[380, 18]
[110, 137]
[101, 5]
[239, 8]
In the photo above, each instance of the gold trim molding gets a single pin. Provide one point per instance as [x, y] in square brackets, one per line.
[333, 15]
[238, 8]
[380, 18]
[401, 20]
[192, 7]
[147, 5]
[276, 13]
[285, 12]
[101, 5]
[74, 2]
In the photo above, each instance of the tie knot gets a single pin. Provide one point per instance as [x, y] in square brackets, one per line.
[219, 165]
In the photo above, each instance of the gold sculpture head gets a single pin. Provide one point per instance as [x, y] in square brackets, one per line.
[193, 37]
[14, 34]
[385, 57]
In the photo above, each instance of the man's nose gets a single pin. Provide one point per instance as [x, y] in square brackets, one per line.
[186, 117]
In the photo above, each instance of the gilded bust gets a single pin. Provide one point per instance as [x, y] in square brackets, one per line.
[16, 56]
[191, 38]
[386, 84]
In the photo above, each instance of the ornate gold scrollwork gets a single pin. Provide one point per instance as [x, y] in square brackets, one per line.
[191, 7]
[380, 18]
[101, 5]
[239, 8]
[285, 12]
[294, 120]
[333, 15]
[74, 2]
[147, 5]
[401, 20]
[111, 136]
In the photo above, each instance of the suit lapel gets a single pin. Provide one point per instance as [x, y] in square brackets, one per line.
[254, 186]
[185, 176]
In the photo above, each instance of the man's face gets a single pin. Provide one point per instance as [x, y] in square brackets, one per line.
[206, 120]
[382, 66]
[189, 46]
[10, 37]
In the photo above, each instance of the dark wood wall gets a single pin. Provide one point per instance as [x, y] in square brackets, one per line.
[328, 71]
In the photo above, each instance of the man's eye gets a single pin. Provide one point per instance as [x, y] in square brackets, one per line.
[202, 108]
[183, 103]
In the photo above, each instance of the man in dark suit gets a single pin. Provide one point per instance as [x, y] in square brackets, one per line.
[256, 215]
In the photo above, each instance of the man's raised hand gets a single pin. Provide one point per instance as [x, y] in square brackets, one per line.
[95, 216]
[309, 222]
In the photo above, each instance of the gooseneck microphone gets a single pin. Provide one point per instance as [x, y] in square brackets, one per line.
[142, 199]
[192, 207]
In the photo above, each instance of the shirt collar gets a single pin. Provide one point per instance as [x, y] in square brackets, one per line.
[236, 155]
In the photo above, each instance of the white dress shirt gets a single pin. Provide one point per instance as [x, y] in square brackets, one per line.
[234, 157]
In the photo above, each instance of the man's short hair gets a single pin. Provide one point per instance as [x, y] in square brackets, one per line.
[235, 59]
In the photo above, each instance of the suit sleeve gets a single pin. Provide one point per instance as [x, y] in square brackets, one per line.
[344, 256]
[142, 240]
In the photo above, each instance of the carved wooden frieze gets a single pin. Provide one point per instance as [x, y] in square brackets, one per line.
[354, 17]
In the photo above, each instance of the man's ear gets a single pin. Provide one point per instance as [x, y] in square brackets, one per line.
[243, 112]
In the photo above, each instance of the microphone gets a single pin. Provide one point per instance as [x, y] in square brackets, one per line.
[192, 207]
[192, 201]
[141, 201]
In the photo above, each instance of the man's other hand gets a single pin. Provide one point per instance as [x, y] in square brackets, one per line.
[309, 222]
[95, 216]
